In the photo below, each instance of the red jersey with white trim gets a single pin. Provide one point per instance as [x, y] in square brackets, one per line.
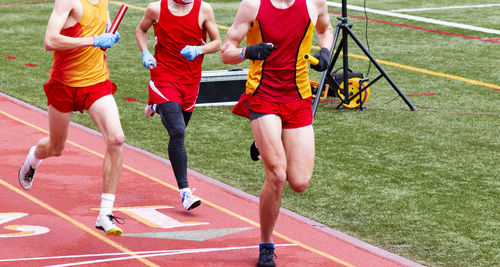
[85, 66]
[284, 75]
[172, 34]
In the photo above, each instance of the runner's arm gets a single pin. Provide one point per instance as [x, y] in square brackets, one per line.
[151, 16]
[324, 28]
[53, 38]
[213, 32]
[245, 16]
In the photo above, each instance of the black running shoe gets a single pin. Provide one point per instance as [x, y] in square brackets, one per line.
[254, 152]
[266, 257]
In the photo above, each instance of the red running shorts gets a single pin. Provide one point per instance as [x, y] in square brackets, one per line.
[294, 114]
[184, 94]
[67, 99]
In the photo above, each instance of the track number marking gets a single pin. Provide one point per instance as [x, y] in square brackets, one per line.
[20, 230]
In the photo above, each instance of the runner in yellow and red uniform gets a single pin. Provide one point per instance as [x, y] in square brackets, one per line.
[79, 80]
[278, 94]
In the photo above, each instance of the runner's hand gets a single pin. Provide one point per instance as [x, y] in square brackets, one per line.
[148, 61]
[259, 51]
[116, 32]
[324, 59]
[105, 40]
[190, 52]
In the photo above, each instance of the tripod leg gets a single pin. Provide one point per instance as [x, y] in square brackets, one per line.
[326, 72]
[372, 59]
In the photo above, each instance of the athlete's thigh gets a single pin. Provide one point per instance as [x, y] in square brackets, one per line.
[300, 152]
[267, 133]
[105, 114]
[58, 126]
[172, 118]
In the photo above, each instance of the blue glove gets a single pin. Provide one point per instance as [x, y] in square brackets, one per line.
[190, 52]
[148, 61]
[116, 32]
[105, 40]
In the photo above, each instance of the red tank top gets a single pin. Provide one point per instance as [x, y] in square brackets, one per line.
[284, 75]
[172, 34]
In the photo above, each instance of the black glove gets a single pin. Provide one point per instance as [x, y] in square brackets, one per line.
[324, 59]
[259, 51]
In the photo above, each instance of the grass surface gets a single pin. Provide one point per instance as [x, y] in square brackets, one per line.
[423, 184]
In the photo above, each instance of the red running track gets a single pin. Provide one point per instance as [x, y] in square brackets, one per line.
[52, 224]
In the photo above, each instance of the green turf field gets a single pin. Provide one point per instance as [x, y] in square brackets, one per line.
[422, 184]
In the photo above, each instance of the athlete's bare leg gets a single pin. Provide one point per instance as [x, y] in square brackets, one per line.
[267, 133]
[104, 112]
[287, 155]
[300, 152]
[53, 145]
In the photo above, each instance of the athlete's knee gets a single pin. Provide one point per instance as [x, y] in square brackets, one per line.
[276, 177]
[177, 132]
[116, 141]
[300, 186]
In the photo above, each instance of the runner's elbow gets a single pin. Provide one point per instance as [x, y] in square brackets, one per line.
[49, 43]
[218, 45]
[225, 56]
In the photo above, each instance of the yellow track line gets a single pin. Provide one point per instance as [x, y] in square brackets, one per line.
[402, 66]
[430, 72]
[61, 214]
[74, 222]
[125, 166]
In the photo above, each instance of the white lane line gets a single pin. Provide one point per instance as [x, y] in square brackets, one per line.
[443, 8]
[416, 18]
[164, 253]
[77, 256]
[145, 254]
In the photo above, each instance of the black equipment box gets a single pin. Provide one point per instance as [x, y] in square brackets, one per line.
[221, 87]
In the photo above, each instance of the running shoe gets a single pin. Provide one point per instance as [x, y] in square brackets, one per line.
[189, 201]
[106, 224]
[266, 257]
[254, 152]
[26, 173]
[149, 110]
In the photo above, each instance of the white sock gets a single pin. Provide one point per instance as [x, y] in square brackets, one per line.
[107, 201]
[34, 161]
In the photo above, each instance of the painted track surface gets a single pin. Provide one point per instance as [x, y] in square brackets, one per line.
[53, 222]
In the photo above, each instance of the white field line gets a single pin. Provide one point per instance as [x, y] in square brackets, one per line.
[162, 253]
[152, 253]
[442, 8]
[417, 18]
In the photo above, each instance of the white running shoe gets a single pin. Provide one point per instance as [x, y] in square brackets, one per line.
[149, 110]
[189, 201]
[105, 223]
[26, 173]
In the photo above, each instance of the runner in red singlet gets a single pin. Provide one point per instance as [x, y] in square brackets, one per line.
[278, 94]
[79, 80]
[180, 29]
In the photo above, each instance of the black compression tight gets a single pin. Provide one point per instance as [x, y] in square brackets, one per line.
[175, 121]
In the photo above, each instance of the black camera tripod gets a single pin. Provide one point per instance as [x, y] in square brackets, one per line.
[345, 27]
